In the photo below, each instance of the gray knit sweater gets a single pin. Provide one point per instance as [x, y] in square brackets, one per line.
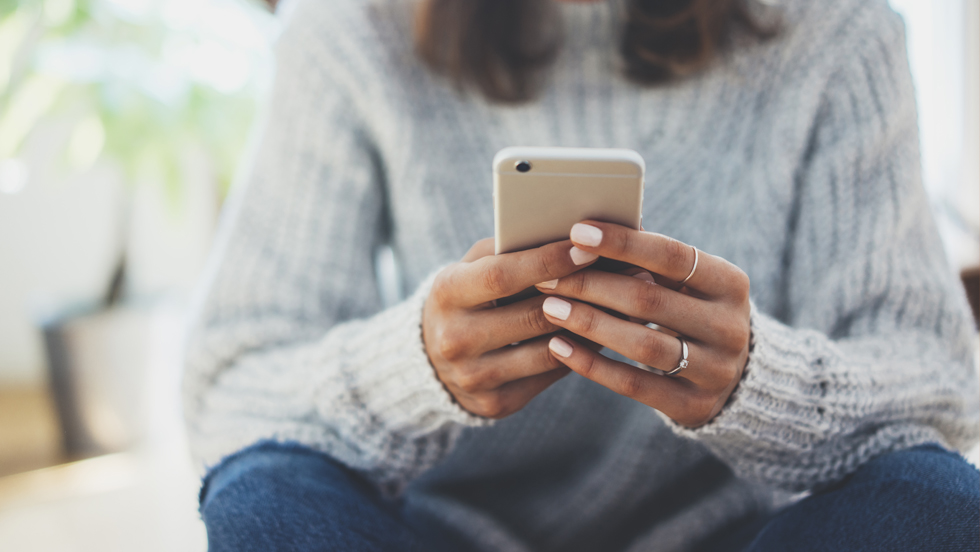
[796, 159]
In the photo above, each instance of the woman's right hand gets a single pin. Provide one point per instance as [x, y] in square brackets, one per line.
[494, 360]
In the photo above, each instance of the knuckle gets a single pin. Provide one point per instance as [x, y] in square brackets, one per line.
[442, 283]
[732, 333]
[574, 284]
[589, 367]
[632, 383]
[676, 253]
[621, 242]
[741, 334]
[495, 280]
[453, 346]
[536, 322]
[492, 406]
[650, 299]
[741, 285]
[652, 350]
[720, 328]
[469, 381]
[547, 267]
[588, 322]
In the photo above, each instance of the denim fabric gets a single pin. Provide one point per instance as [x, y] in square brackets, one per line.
[287, 497]
[921, 499]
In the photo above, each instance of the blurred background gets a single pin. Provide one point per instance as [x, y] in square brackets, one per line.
[121, 125]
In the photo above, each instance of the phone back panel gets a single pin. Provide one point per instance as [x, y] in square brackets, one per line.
[563, 186]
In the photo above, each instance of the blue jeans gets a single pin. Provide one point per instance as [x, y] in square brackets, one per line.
[272, 497]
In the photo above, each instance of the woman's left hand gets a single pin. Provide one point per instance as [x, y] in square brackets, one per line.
[711, 312]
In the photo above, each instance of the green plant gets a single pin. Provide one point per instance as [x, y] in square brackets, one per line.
[133, 78]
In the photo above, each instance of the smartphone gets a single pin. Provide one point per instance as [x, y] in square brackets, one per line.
[540, 193]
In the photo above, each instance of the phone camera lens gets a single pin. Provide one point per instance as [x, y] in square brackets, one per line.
[523, 166]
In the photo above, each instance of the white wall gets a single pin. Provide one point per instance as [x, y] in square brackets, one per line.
[56, 239]
[60, 236]
[942, 42]
[970, 195]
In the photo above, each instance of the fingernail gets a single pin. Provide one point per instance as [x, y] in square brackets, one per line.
[586, 235]
[645, 276]
[558, 308]
[580, 257]
[550, 284]
[560, 347]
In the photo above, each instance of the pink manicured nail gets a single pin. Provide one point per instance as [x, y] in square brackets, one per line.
[550, 284]
[586, 235]
[558, 308]
[580, 257]
[560, 347]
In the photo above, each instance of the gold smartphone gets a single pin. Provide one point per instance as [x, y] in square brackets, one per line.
[540, 193]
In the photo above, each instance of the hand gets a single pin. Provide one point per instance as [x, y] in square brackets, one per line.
[711, 312]
[469, 340]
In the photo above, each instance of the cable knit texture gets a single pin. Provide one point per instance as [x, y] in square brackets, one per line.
[794, 158]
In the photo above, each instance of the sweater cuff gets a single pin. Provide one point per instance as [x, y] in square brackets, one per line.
[776, 401]
[390, 371]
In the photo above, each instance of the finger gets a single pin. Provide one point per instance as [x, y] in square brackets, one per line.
[480, 249]
[496, 328]
[660, 392]
[521, 392]
[659, 254]
[639, 298]
[494, 277]
[636, 342]
[515, 395]
[499, 368]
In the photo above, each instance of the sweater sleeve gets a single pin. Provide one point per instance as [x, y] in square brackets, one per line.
[290, 342]
[874, 350]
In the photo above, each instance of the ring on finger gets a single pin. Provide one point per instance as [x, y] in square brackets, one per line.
[693, 268]
[683, 363]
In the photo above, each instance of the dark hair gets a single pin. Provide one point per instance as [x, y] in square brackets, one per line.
[502, 47]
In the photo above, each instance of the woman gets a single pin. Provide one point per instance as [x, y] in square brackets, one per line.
[830, 350]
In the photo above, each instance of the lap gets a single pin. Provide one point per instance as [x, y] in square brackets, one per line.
[287, 497]
[275, 496]
[920, 499]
